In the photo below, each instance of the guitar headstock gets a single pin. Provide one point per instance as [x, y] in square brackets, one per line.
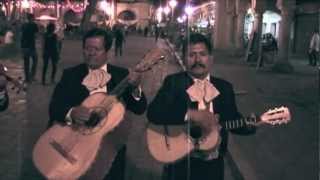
[151, 58]
[276, 116]
[3, 69]
[18, 84]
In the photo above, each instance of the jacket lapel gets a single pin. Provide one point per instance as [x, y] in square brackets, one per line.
[78, 77]
[111, 84]
[187, 83]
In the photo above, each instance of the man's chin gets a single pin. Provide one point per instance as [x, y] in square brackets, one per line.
[199, 75]
[93, 66]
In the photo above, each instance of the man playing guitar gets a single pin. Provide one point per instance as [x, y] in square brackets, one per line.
[192, 98]
[96, 75]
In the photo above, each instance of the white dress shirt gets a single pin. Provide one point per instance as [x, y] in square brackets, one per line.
[203, 93]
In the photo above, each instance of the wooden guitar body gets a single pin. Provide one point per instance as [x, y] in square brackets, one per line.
[68, 152]
[168, 146]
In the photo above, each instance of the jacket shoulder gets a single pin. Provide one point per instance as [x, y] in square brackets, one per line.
[117, 69]
[221, 84]
[176, 76]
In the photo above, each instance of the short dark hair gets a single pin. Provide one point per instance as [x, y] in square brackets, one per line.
[51, 27]
[95, 32]
[30, 16]
[195, 38]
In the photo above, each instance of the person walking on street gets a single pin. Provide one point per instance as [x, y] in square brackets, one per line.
[28, 45]
[157, 33]
[314, 48]
[119, 40]
[146, 31]
[50, 52]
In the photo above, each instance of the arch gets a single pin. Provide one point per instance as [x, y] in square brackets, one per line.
[127, 15]
[270, 22]
[71, 17]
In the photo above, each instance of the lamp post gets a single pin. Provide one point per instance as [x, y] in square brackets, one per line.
[188, 10]
[172, 4]
[24, 5]
[107, 9]
[159, 14]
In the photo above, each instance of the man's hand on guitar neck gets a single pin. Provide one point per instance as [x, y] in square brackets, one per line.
[134, 78]
[202, 117]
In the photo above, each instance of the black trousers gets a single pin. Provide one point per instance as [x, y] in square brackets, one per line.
[117, 171]
[195, 169]
[54, 61]
[27, 54]
[118, 48]
[313, 58]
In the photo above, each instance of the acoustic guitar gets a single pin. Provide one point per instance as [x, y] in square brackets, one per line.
[168, 144]
[68, 151]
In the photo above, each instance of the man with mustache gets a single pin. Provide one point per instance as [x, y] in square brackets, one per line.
[194, 97]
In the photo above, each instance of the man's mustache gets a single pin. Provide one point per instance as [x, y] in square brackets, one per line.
[198, 64]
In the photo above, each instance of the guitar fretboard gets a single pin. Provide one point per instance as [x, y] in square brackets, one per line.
[120, 88]
[238, 123]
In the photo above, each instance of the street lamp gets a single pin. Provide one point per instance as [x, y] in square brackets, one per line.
[172, 4]
[166, 10]
[25, 4]
[159, 14]
[188, 10]
[105, 7]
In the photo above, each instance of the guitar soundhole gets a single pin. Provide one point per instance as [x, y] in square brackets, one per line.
[95, 117]
[196, 132]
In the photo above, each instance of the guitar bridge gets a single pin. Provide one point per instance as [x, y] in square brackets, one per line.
[63, 152]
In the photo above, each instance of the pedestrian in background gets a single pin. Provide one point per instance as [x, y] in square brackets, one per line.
[119, 40]
[50, 52]
[28, 45]
[146, 31]
[156, 33]
[314, 48]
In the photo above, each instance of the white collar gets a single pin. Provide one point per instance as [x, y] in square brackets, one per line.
[197, 79]
[103, 67]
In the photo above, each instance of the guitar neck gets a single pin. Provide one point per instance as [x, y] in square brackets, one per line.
[120, 88]
[238, 123]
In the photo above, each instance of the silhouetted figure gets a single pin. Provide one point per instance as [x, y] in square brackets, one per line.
[119, 40]
[314, 48]
[157, 33]
[50, 52]
[145, 31]
[28, 45]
